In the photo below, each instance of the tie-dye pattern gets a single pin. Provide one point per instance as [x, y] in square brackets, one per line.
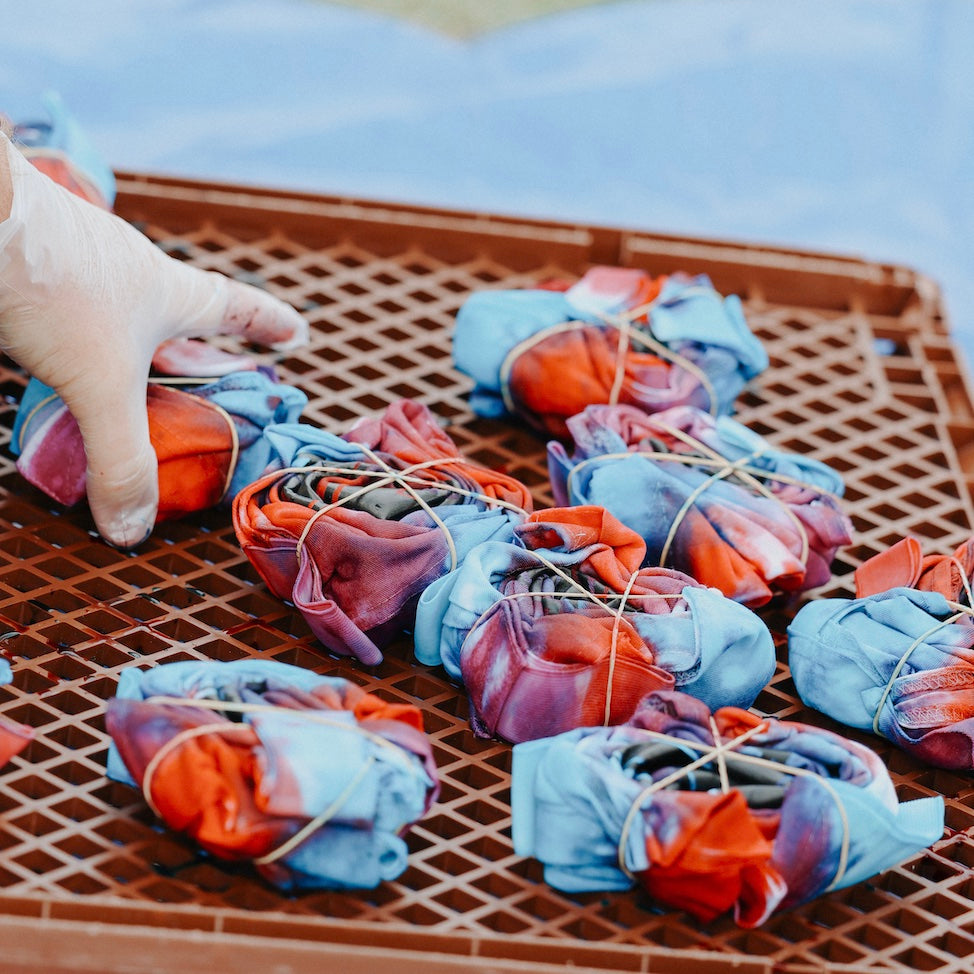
[729, 834]
[353, 529]
[545, 353]
[275, 759]
[535, 663]
[900, 663]
[771, 523]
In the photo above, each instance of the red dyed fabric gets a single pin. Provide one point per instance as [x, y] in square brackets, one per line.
[369, 554]
[904, 565]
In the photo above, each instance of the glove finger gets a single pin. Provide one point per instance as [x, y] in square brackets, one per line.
[208, 303]
[122, 477]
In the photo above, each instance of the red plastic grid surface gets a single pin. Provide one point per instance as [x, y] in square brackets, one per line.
[863, 377]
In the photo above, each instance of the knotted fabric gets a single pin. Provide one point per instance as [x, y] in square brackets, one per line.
[355, 527]
[711, 812]
[615, 336]
[208, 439]
[708, 496]
[900, 664]
[904, 564]
[311, 778]
[563, 629]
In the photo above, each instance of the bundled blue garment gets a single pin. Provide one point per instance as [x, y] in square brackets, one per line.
[900, 663]
[531, 629]
[788, 811]
[310, 777]
[197, 441]
[543, 354]
[708, 496]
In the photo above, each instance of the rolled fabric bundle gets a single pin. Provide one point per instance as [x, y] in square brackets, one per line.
[352, 533]
[711, 812]
[14, 737]
[562, 629]
[59, 147]
[208, 439]
[708, 496]
[616, 335]
[904, 565]
[899, 664]
[310, 778]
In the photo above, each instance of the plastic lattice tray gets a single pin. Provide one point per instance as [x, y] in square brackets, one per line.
[863, 377]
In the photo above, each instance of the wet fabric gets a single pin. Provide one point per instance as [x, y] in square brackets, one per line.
[708, 496]
[904, 564]
[208, 439]
[900, 664]
[309, 777]
[355, 527]
[616, 335]
[538, 634]
[783, 813]
[14, 737]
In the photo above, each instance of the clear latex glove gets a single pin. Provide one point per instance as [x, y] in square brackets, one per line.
[85, 301]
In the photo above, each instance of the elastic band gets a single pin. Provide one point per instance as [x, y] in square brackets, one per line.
[716, 752]
[309, 828]
[19, 445]
[888, 689]
[580, 592]
[399, 478]
[613, 647]
[189, 733]
[623, 323]
[234, 445]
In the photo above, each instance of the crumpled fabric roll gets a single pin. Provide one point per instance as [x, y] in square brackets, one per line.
[904, 565]
[355, 527]
[209, 439]
[310, 777]
[544, 354]
[535, 663]
[59, 147]
[900, 663]
[735, 513]
[802, 810]
[14, 737]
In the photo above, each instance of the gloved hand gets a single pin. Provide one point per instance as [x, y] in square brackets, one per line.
[85, 301]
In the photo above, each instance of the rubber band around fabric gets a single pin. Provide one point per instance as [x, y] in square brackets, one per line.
[725, 468]
[189, 733]
[400, 478]
[716, 752]
[583, 593]
[624, 324]
[234, 436]
[961, 611]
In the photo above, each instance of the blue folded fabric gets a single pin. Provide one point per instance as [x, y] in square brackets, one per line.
[900, 663]
[688, 317]
[576, 798]
[313, 779]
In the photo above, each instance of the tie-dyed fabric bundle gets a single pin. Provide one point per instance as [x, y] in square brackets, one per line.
[311, 778]
[711, 812]
[355, 527]
[904, 565]
[709, 497]
[900, 664]
[208, 439]
[617, 335]
[562, 629]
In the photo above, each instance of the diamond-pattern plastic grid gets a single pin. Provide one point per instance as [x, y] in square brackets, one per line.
[872, 389]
